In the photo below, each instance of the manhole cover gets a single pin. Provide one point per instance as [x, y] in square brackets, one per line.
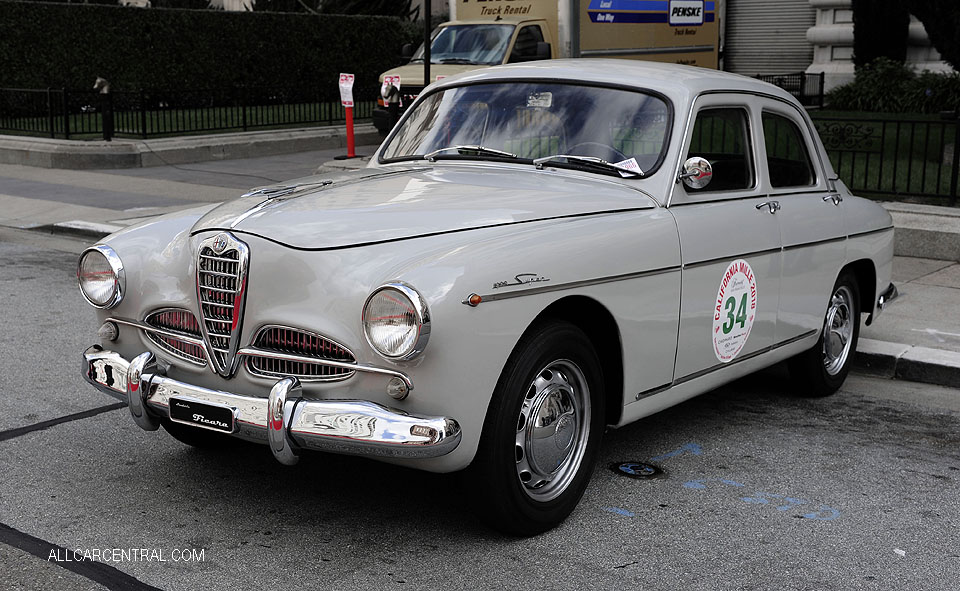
[636, 469]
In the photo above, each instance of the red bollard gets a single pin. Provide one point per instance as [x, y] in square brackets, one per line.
[351, 150]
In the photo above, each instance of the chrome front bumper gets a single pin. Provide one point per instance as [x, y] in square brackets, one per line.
[285, 421]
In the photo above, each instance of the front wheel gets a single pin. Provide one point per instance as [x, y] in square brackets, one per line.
[822, 370]
[542, 432]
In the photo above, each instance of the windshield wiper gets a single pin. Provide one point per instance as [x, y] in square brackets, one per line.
[589, 161]
[463, 150]
[456, 60]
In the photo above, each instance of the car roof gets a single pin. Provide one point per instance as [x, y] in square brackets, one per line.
[673, 80]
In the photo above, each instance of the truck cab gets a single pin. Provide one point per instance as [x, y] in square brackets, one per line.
[463, 45]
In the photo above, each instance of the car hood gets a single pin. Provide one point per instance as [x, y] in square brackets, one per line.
[379, 205]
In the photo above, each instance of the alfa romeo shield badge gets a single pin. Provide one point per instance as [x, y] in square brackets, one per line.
[735, 311]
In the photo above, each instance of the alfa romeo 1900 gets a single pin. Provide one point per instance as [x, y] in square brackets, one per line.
[536, 253]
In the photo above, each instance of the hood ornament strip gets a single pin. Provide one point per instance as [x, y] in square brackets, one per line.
[275, 192]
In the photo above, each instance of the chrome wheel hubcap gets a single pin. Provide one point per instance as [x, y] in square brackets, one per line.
[552, 430]
[838, 330]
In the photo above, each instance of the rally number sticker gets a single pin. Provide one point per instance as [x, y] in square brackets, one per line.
[735, 311]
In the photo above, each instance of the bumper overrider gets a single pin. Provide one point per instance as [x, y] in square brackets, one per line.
[285, 420]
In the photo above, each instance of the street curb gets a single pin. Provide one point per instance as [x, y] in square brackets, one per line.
[132, 153]
[908, 362]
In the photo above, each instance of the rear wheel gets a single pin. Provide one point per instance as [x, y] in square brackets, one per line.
[822, 370]
[542, 432]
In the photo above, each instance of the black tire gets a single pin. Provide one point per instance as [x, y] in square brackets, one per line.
[196, 437]
[821, 370]
[554, 374]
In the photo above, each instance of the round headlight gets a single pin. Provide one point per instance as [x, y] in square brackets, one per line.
[100, 275]
[396, 321]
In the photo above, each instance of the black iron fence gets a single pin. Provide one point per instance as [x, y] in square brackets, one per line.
[88, 114]
[807, 88]
[895, 158]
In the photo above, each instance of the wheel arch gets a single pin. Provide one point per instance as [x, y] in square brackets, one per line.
[596, 321]
[866, 275]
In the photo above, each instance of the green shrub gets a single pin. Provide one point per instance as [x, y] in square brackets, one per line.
[886, 86]
[68, 45]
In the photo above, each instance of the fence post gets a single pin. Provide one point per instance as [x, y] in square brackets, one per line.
[53, 130]
[243, 107]
[821, 89]
[106, 115]
[956, 157]
[143, 114]
[66, 113]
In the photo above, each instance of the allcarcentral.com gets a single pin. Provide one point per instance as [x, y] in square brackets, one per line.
[127, 555]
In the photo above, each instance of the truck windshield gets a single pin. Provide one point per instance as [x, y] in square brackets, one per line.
[468, 44]
[535, 120]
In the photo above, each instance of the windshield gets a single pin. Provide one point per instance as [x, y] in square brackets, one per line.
[468, 44]
[536, 120]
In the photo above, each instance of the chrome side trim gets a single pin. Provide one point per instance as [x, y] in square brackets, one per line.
[814, 243]
[569, 285]
[255, 352]
[713, 368]
[869, 232]
[755, 253]
[285, 420]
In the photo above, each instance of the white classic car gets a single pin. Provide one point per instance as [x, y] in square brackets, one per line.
[536, 253]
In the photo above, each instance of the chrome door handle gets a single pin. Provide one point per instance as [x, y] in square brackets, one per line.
[835, 197]
[773, 206]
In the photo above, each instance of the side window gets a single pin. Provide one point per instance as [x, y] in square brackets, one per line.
[787, 157]
[525, 49]
[722, 137]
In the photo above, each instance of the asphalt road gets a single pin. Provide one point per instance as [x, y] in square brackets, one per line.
[759, 489]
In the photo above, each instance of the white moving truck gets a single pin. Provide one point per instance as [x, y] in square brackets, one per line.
[490, 32]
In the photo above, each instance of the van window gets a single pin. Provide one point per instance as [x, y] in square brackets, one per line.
[525, 49]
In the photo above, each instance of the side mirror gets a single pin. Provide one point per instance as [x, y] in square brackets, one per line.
[406, 52]
[543, 50]
[697, 173]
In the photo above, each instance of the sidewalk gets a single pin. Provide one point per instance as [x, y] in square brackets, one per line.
[916, 338]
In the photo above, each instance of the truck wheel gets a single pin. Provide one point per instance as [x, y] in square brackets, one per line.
[821, 370]
[194, 437]
[542, 432]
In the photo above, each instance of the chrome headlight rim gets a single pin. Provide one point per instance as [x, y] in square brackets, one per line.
[422, 316]
[116, 267]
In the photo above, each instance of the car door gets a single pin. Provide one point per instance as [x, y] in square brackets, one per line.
[810, 217]
[729, 240]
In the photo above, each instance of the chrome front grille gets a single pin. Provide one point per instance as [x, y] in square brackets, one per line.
[221, 289]
[174, 322]
[281, 341]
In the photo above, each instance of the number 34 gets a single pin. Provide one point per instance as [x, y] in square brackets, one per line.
[741, 318]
